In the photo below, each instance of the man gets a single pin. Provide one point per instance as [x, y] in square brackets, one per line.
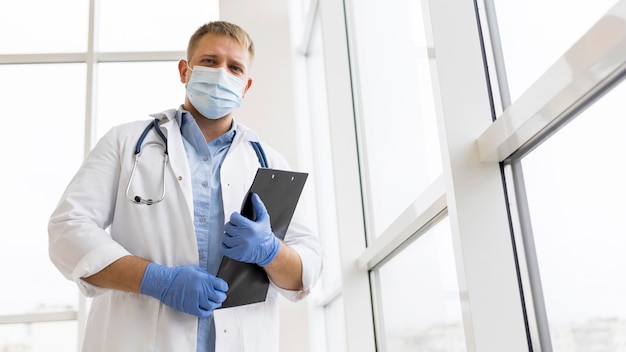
[150, 261]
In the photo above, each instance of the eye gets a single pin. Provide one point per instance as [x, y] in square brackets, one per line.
[236, 69]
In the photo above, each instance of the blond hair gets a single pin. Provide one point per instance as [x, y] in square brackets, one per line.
[221, 28]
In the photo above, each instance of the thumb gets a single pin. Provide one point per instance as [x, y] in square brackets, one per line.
[259, 207]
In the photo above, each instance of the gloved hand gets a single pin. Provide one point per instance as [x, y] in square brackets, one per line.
[250, 241]
[186, 288]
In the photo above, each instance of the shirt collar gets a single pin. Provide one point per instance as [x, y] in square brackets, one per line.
[186, 121]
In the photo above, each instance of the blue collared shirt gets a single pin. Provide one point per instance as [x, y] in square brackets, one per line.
[205, 160]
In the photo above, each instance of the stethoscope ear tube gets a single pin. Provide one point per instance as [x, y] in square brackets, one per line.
[155, 123]
[137, 199]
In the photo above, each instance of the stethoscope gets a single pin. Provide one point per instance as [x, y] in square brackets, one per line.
[137, 199]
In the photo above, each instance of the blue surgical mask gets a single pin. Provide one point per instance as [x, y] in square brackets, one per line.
[213, 91]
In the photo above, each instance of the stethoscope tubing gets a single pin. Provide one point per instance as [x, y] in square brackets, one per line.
[138, 199]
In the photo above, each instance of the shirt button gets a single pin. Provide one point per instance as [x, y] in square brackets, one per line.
[205, 158]
[205, 184]
[202, 218]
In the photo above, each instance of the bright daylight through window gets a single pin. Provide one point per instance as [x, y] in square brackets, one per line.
[378, 139]
[45, 102]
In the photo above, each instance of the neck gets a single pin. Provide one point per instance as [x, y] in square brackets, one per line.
[211, 129]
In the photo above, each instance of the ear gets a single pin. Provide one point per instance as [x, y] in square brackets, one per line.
[248, 84]
[182, 70]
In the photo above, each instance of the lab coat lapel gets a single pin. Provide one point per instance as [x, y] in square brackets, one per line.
[177, 156]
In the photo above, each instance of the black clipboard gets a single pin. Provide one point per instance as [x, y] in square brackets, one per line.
[280, 191]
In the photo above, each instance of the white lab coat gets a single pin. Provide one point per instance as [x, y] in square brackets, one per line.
[164, 233]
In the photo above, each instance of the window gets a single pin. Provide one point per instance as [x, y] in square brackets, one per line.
[419, 300]
[49, 117]
[158, 88]
[562, 167]
[45, 144]
[504, 218]
[576, 198]
[327, 298]
[549, 83]
[397, 132]
[531, 42]
[34, 31]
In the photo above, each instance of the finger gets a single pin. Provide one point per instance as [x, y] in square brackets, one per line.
[204, 302]
[220, 284]
[202, 273]
[217, 297]
[237, 219]
[215, 305]
[211, 295]
[231, 240]
[226, 250]
[202, 307]
[229, 228]
[233, 233]
[259, 207]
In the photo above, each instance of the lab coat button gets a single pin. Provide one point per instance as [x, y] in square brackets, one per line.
[180, 178]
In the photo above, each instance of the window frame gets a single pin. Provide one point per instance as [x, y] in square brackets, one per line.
[554, 100]
[91, 57]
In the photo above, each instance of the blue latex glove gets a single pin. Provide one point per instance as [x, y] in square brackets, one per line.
[250, 241]
[186, 288]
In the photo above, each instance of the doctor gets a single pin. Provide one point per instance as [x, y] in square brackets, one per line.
[150, 264]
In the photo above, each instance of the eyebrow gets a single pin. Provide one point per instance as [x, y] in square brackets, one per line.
[216, 56]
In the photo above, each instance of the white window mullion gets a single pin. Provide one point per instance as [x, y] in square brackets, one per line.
[90, 89]
[355, 281]
[414, 220]
[90, 133]
[486, 268]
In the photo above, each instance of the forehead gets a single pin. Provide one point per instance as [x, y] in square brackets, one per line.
[223, 46]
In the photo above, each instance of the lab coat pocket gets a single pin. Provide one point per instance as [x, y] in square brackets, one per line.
[114, 319]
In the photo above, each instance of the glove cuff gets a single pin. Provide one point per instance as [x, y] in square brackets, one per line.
[155, 279]
[274, 248]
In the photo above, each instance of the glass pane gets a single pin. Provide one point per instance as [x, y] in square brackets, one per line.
[535, 33]
[399, 135]
[27, 26]
[577, 199]
[155, 87]
[39, 337]
[148, 25]
[46, 135]
[419, 295]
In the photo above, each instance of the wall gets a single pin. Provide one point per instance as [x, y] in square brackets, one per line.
[268, 108]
